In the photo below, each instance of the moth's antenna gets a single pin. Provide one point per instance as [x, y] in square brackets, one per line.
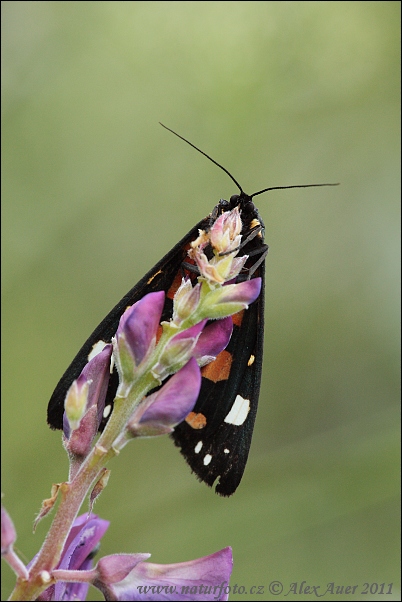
[232, 178]
[205, 155]
[294, 186]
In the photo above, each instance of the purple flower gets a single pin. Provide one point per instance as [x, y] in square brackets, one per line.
[244, 292]
[203, 579]
[139, 325]
[213, 339]
[192, 342]
[128, 576]
[169, 406]
[79, 548]
[187, 338]
[230, 299]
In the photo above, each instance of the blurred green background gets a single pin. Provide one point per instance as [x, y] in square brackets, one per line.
[95, 192]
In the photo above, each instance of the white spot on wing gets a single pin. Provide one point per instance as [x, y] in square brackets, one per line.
[239, 411]
[96, 349]
[251, 360]
[107, 411]
[198, 447]
[207, 459]
[226, 451]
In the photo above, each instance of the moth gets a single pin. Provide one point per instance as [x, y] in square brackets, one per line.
[215, 438]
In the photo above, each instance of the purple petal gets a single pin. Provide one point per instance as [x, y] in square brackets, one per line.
[173, 402]
[78, 442]
[116, 567]
[243, 292]
[85, 534]
[83, 538]
[96, 370]
[140, 323]
[202, 579]
[190, 333]
[214, 338]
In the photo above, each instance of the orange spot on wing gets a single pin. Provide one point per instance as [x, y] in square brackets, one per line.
[177, 279]
[238, 318]
[159, 333]
[219, 369]
[196, 421]
[174, 286]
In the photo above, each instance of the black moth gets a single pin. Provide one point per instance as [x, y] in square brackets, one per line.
[215, 438]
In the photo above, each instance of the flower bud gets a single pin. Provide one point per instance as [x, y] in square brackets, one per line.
[185, 301]
[76, 401]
